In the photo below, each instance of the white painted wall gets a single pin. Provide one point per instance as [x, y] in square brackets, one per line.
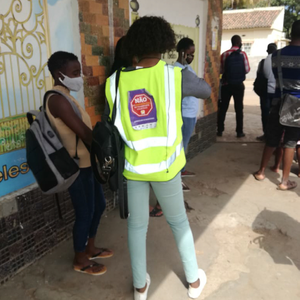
[259, 37]
[64, 30]
[278, 23]
[182, 13]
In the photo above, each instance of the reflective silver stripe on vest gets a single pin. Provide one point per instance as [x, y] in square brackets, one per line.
[153, 168]
[170, 99]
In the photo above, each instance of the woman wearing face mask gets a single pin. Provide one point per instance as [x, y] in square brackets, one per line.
[86, 193]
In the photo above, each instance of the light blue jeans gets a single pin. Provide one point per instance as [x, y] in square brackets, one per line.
[187, 129]
[170, 197]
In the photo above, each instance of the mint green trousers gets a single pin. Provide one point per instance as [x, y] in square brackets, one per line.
[170, 197]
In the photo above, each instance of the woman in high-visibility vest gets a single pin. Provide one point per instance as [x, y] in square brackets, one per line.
[148, 117]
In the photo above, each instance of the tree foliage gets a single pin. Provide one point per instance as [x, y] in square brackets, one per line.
[292, 9]
[292, 13]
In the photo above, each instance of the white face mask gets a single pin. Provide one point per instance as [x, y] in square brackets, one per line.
[73, 84]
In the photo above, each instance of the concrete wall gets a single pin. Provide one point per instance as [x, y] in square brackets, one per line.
[183, 18]
[278, 23]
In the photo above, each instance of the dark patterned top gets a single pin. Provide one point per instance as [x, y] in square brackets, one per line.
[290, 61]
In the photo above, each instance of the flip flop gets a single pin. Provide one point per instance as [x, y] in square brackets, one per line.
[85, 269]
[291, 185]
[254, 175]
[99, 254]
[156, 212]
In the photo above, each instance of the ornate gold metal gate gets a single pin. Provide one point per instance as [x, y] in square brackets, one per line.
[24, 49]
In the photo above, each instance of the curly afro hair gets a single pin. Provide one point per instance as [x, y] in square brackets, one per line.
[184, 44]
[59, 59]
[149, 35]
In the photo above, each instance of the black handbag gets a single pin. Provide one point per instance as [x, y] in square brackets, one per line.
[260, 85]
[289, 113]
[107, 157]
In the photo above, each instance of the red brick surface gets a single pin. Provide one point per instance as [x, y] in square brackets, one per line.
[95, 47]
[212, 62]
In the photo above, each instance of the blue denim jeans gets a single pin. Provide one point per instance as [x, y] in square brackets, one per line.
[89, 204]
[188, 127]
[170, 197]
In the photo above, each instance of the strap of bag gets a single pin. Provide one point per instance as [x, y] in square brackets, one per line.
[77, 111]
[114, 112]
[279, 68]
[76, 154]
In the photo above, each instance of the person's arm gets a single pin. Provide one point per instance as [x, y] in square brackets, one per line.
[194, 86]
[60, 108]
[246, 62]
[268, 67]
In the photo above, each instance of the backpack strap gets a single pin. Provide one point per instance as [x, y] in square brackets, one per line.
[114, 112]
[77, 111]
[279, 68]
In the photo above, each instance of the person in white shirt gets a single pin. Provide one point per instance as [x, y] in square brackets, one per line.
[190, 105]
[265, 101]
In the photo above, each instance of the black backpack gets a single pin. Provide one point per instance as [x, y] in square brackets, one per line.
[235, 68]
[260, 85]
[107, 157]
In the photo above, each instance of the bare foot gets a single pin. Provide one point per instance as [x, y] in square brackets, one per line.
[275, 169]
[195, 284]
[259, 176]
[142, 290]
[289, 186]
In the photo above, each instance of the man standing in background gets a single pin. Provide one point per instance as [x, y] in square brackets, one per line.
[285, 63]
[265, 100]
[234, 67]
[190, 105]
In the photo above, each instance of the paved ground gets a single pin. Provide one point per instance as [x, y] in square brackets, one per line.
[247, 238]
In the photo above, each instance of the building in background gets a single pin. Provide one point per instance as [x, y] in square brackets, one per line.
[31, 224]
[258, 27]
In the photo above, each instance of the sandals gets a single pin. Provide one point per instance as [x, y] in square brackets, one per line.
[290, 185]
[156, 212]
[99, 254]
[88, 269]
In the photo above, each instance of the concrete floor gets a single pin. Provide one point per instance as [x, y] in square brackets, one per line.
[247, 238]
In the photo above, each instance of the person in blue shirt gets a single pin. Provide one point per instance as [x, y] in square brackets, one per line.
[190, 105]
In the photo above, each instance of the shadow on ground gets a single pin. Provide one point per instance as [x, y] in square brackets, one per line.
[279, 236]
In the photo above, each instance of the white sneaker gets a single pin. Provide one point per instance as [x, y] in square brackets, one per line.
[142, 296]
[194, 293]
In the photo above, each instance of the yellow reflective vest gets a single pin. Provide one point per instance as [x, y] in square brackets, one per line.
[148, 117]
